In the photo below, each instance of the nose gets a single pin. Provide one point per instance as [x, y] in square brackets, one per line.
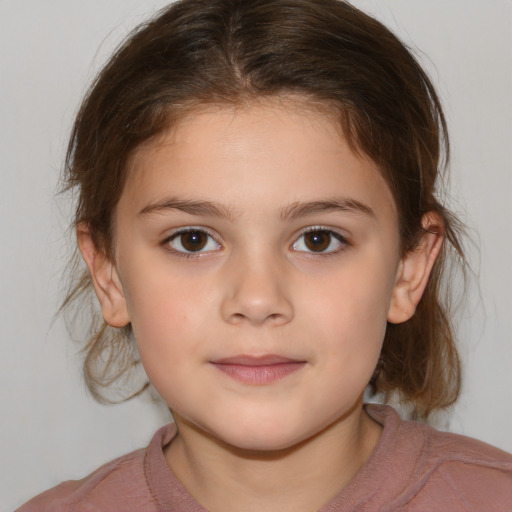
[256, 293]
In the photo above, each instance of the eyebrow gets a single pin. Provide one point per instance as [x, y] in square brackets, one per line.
[293, 211]
[206, 208]
[351, 206]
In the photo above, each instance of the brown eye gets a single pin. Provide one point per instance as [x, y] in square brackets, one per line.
[317, 241]
[193, 240]
[320, 241]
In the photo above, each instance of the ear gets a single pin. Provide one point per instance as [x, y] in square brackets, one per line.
[107, 284]
[414, 270]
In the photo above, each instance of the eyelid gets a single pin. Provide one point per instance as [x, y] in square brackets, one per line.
[186, 229]
[333, 232]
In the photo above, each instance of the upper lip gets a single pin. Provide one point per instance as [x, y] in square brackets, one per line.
[263, 360]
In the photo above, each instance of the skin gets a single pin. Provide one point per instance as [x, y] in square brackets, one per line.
[253, 180]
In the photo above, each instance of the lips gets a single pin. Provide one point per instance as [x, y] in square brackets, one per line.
[258, 370]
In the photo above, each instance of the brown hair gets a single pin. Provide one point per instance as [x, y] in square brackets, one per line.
[198, 52]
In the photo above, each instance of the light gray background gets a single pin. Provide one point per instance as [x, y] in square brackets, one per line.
[50, 430]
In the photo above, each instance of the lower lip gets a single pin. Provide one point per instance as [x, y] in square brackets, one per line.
[259, 375]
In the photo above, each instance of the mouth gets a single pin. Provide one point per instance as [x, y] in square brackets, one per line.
[258, 370]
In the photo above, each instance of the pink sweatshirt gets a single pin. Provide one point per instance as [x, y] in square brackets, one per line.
[413, 468]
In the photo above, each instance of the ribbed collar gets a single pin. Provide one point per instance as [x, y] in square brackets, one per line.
[401, 446]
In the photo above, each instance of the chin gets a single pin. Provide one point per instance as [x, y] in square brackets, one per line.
[263, 442]
[261, 437]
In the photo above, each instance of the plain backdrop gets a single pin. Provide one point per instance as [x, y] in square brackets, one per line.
[50, 429]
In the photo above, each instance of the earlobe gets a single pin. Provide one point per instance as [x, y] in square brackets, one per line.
[414, 270]
[105, 279]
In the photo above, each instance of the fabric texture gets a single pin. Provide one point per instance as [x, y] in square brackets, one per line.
[413, 467]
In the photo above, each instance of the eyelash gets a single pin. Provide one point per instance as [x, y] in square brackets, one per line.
[190, 254]
[332, 235]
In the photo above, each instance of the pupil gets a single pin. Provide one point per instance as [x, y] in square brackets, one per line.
[193, 240]
[318, 241]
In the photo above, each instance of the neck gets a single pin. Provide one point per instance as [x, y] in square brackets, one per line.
[300, 479]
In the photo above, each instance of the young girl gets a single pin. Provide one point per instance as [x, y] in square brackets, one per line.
[257, 213]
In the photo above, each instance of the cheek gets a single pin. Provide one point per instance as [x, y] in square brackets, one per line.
[355, 300]
[162, 314]
[351, 315]
[163, 299]
[355, 343]
[159, 328]
[172, 314]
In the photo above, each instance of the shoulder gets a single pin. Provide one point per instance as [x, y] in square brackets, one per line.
[466, 474]
[118, 485]
[109, 483]
[446, 471]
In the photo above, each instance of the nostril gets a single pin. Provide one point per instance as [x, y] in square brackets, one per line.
[255, 299]
[237, 317]
[273, 318]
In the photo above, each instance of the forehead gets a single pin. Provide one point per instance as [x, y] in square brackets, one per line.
[272, 154]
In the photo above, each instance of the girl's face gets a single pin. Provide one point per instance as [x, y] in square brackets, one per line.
[257, 258]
